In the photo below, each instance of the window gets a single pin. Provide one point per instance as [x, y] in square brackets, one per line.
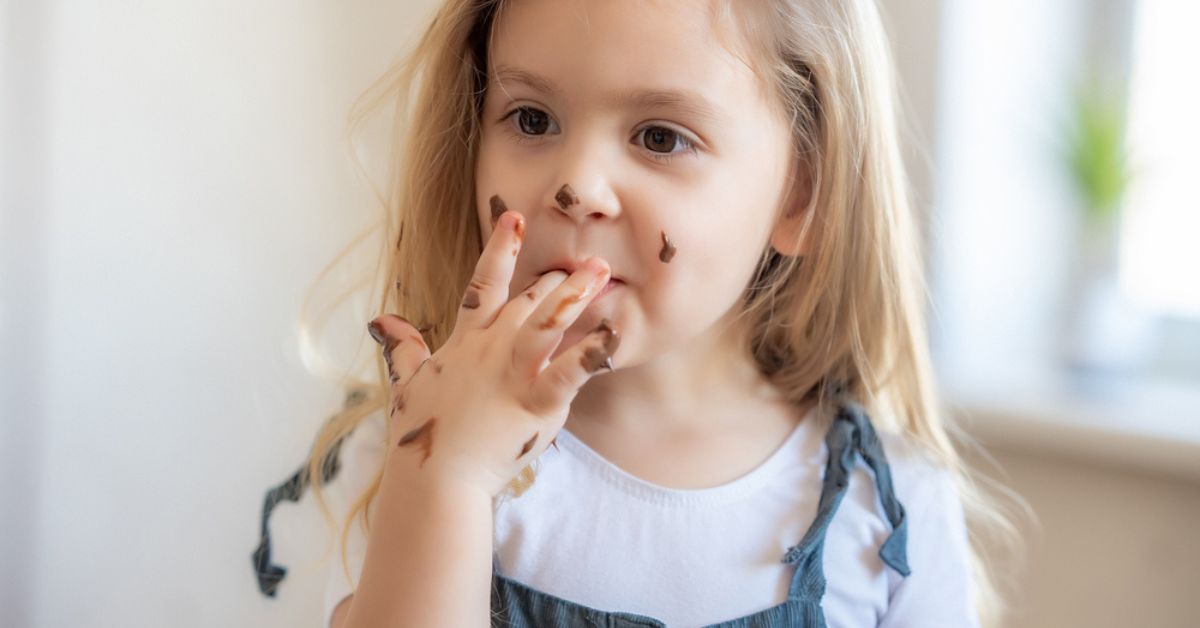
[1159, 264]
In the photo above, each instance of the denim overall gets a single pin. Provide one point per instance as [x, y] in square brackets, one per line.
[516, 605]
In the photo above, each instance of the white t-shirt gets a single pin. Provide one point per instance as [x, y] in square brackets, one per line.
[589, 532]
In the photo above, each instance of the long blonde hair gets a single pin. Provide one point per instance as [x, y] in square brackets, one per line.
[846, 319]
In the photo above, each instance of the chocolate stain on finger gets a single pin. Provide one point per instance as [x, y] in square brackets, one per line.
[422, 437]
[566, 197]
[498, 207]
[668, 249]
[471, 299]
[595, 358]
[562, 306]
[528, 445]
[389, 345]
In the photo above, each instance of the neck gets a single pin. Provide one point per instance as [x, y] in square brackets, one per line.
[707, 385]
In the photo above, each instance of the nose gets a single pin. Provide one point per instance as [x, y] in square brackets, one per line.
[582, 193]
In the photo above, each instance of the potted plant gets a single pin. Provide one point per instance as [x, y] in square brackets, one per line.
[1105, 331]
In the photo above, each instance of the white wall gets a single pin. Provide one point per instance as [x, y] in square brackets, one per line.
[173, 180]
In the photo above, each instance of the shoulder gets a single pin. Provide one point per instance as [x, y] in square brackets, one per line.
[940, 589]
[918, 476]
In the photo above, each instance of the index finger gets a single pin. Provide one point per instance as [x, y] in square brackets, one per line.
[487, 291]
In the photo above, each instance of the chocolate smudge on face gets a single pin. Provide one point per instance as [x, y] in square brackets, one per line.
[471, 299]
[566, 197]
[498, 207]
[437, 367]
[595, 358]
[528, 445]
[668, 249]
[423, 437]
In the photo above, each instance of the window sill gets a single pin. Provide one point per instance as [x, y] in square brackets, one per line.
[1143, 425]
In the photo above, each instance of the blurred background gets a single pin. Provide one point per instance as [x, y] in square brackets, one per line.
[174, 179]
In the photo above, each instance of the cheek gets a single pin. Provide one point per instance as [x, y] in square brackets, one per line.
[712, 258]
[491, 171]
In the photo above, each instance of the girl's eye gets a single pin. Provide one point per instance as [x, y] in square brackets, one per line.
[662, 142]
[530, 121]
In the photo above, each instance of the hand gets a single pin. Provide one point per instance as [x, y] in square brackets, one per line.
[488, 402]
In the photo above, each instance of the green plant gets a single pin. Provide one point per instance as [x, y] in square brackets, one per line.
[1095, 152]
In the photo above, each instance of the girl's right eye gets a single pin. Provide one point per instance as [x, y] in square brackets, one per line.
[530, 121]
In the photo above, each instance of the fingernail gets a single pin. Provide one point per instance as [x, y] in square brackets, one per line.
[376, 331]
[519, 226]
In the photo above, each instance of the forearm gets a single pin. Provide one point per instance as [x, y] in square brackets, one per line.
[429, 556]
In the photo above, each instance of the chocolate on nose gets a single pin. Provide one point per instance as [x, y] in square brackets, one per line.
[566, 197]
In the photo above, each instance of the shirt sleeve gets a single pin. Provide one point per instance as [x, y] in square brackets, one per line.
[940, 590]
[361, 456]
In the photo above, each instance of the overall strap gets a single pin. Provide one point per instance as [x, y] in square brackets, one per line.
[850, 433]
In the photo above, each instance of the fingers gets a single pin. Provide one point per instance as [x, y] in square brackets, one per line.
[523, 303]
[558, 384]
[403, 349]
[488, 288]
[542, 330]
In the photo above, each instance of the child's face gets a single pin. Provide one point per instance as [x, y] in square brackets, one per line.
[708, 168]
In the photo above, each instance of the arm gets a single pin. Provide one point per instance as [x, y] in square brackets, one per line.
[429, 555]
[341, 613]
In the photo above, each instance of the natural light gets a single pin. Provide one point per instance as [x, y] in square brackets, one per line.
[1160, 254]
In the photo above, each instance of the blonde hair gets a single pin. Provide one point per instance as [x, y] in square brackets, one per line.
[846, 319]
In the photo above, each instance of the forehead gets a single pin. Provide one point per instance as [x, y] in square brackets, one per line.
[615, 51]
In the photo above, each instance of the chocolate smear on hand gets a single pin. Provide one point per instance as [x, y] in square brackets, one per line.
[423, 437]
[566, 197]
[596, 358]
[668, 249]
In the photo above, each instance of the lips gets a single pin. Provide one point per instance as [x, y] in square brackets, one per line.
[571, 265]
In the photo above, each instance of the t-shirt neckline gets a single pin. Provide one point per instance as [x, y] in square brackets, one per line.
[788, 453]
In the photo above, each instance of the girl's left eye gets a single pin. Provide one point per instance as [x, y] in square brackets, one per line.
[662, 141]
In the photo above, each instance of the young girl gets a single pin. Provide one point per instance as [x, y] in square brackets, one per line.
[658, 254]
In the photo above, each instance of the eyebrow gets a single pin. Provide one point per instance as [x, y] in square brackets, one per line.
[685, 100]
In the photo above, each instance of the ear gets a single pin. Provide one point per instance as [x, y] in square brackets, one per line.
[785, 237]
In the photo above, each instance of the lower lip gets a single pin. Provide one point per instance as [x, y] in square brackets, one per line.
[608, 287]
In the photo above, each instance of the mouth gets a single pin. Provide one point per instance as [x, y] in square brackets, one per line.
[570, 266]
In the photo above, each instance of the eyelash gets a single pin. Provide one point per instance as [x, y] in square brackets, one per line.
[666, 158]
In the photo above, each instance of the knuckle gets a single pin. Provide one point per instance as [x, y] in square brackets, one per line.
[482, 282]
[561, 379]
